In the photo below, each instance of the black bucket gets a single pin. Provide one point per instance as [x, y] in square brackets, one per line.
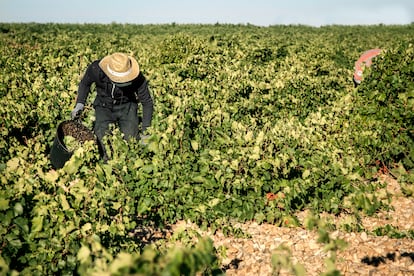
[59, 153]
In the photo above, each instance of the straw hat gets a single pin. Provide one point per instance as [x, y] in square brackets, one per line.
[120, 67]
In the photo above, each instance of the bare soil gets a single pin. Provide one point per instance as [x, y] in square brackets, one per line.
[365, 254]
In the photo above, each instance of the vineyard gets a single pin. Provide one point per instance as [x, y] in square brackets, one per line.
[250, 124]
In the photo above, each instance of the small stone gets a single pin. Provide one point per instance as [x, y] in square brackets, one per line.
[364, 236]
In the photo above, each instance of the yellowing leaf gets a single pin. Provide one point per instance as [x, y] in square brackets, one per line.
[249, 136]
[154, 147]
[122, 260]
[116, 205]
[64, 202]
[234, 164]
[199, 179]
[194, 145]
[305, 174]
[86, 227]
[83, 254]
[214, 202]
[103, 227]
[70, 167]
[13, 164]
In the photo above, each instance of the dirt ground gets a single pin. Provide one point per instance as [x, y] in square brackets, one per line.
[365, 254]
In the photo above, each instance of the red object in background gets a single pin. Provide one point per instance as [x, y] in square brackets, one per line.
[365, 60]
[271, 196]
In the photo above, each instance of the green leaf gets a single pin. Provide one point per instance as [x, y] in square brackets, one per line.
[18, 209]
[37, 224]
[16, 243]
[4, 204]
[4, 267]
[22, 223]
[299, 270]
[198, 179]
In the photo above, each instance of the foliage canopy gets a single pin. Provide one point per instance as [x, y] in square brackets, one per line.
[241, 113]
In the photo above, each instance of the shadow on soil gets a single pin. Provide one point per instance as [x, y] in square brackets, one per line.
[377, 260]
[234, 264]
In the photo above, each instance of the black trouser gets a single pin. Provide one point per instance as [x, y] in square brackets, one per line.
[125, 116]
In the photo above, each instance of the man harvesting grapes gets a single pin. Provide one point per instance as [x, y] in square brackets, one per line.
[120, 87]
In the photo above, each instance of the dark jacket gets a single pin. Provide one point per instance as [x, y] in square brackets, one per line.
[108, 94]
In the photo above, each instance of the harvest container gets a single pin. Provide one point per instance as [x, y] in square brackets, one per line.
[59, 152]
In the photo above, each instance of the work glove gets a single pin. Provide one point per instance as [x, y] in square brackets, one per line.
[77, 111]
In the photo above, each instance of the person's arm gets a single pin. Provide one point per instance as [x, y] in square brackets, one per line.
[145, 98]
[90, 77]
